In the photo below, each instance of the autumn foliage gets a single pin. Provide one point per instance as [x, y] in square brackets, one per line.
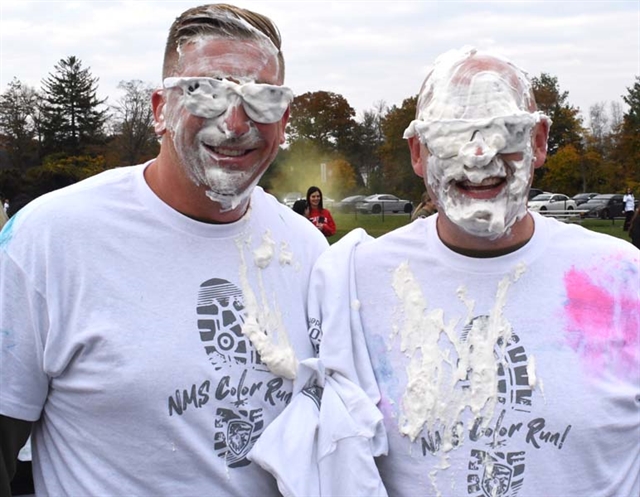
[63, 132]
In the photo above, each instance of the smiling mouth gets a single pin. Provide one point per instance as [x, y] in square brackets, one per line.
[229, 152]
[485, 185]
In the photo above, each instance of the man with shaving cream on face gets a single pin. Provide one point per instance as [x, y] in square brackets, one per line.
[153, 317]
[500, 347]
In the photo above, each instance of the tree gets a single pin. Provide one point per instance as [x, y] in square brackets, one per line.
[135, 139]
[323, 118]
[616, 115]
[300, 166]
[17, 123]
[368, 138]
[567, 125]
[72, 118]
[341, 178]
[627, 151]
[398, 176]
[571, 171]
[60, 170]
[599, 124]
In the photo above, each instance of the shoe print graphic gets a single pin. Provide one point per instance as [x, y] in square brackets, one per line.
[221, 314]
[493, 471]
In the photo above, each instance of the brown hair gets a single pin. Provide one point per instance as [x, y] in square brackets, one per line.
[311, 191]
[222, 20]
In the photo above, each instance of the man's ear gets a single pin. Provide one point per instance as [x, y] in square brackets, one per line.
[540, 139]
[284, 121]
[416, 149]
[157, 104]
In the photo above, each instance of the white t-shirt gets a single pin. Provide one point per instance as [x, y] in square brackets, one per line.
[122, 337]
[510, 376]
[629, 202]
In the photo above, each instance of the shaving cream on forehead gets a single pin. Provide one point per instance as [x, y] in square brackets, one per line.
[228, 24]
[260, 51]
[466, 84]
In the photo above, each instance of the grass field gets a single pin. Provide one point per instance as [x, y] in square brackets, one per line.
[376, 225]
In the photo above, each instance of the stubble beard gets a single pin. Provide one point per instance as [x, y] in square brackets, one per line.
[227, 187]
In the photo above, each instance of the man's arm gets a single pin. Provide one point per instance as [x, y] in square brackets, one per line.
[13, 435]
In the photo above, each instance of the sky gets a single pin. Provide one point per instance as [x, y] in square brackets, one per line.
[370, 52]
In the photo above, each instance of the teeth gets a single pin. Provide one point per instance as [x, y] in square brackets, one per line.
[231, 152]
[487, 182]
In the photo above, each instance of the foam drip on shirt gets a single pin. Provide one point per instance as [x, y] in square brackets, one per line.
[449, 374]
[263, 323]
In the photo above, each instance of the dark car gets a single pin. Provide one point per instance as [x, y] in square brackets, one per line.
[348, 204]
[534, 192]
[605, 206]
[581, 198]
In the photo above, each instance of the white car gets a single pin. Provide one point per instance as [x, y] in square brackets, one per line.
[290, 198]
[551, 202]
[375, 204]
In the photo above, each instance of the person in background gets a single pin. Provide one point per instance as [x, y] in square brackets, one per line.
[425, 208]
[634, 228]
[504, 344]
[300, 207]
[629, 208]
[318, 215]
[148, 356]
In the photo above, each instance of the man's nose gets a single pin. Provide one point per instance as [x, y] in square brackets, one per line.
[236, 119]
[477, 152]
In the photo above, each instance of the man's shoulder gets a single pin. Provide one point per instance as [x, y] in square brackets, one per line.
[90, 187]
[71, 202]
[579, 240]
[414, 232]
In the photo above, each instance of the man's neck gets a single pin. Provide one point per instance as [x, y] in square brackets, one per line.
[180, 193]
[458, 240]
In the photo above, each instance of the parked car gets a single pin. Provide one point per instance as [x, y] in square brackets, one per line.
[605, 206]
[348, 204]
[375, 204]
[581, 198]
[290, 198]
[551, 202]
[534, 192]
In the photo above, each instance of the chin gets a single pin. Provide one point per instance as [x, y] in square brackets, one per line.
[230, 189]
[491, 218]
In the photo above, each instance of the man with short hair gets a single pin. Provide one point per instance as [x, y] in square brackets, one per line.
[504, 345]
[152, 315]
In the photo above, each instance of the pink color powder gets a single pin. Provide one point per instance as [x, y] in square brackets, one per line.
[605, 331]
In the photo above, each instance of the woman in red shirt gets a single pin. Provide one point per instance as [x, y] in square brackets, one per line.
[318, 215]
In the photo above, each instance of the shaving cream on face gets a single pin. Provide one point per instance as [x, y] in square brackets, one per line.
[226, 186]
[491, 217]
[466, 84]
[462, 99]
[229, 180]
[228, 25]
